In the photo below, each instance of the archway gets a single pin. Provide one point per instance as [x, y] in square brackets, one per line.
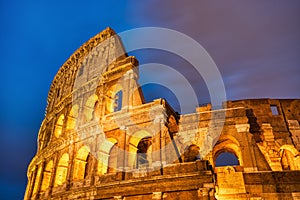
[47, 176]
[108, 155]
[72, 118]
[114, 99]
[135, 148]
[59, 126]
[230, 145]
[80, 162]
[89, 108]
[144, 151]
[62, 170]
[113, 159]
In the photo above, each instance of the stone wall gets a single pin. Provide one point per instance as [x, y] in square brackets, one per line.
[91, 148]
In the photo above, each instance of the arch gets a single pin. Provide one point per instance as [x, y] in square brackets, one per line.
[105, 160]
[137, 136]
[191, 153]
[107, 144]
[47, 176]
[72, 117]
[89, 108]
[62, 170]
[290, 159]
[80, 162]
[118, 101]
[144, 151]
[59, 126]
[114, 98]
[230, 145]
[113, 159]
[135, 152]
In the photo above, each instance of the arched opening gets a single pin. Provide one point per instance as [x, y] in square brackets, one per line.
[59, 126]
[118, 101]
[191, 153]
[114, 98]
[80, 162]
[144, 150]
[72, 117]
[140, 147]
[107, 159]
[62, 170]
[113, 159]
[226, 159]
[227, 152]
[89, 107]
[47, 176]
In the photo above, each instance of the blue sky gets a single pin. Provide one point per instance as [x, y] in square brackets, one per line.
[255, 44]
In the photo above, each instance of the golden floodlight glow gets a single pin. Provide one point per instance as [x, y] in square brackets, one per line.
[47, 176]
[80, 163]
[61, 171]
[59, 126]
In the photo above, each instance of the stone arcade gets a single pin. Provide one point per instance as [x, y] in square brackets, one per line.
[100, 140]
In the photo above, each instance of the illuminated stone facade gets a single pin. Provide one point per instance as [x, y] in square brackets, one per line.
[100, 140]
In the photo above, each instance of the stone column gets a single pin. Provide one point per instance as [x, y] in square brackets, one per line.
[69, 177]
[122, 153]
[30, 184]
[271, 147]
[102, 163]
[157, 144]
[131, 156]
[127, 93]
[40, 179]
[52, 178]
[295, 132]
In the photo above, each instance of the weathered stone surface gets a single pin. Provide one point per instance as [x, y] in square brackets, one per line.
[100, 140]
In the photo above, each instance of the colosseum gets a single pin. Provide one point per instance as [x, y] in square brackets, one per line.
[101, 140]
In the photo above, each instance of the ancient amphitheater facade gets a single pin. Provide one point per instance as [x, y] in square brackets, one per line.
[100, 140]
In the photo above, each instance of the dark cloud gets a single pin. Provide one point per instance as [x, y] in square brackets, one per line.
[255, 44]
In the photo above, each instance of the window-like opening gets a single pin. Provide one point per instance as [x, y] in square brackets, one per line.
[143, 152]
[274, 110]
[118, 101]
[72, 117]
[226, 159]
[80, 164]
[47, 176]
[113, 159]
[89, 107]
[191, 153]
[62, 170]
[59, 126]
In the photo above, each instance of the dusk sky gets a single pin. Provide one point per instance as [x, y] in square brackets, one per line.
[255, 44]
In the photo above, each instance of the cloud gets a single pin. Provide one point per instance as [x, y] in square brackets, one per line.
[255, 44]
